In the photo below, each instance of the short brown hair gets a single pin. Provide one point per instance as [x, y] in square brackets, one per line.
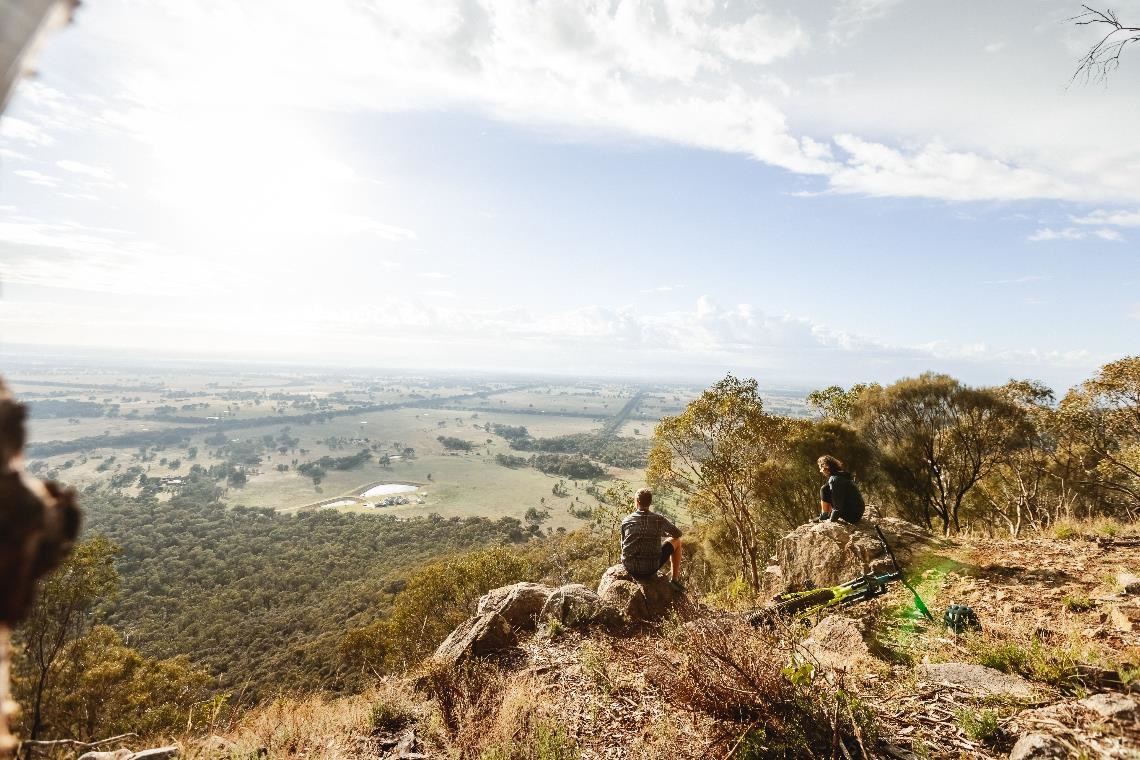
[833, 464]
[643, 498]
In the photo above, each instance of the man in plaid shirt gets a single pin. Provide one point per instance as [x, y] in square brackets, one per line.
[642, 551]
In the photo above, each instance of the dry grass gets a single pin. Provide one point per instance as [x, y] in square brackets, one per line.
[488, 713]
[768, 701]
[314, 726]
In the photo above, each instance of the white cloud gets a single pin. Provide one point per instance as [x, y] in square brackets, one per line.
[1025, 279]
[851, 16]
[786, 88]
[431, 275]
[19, 130]
[1117, 218]
[942, 349]
[37, 178]
[73, 256]
[95, 172]
[1073, 233]
[935, 171]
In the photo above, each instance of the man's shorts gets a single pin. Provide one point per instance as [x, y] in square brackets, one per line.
[666, 553]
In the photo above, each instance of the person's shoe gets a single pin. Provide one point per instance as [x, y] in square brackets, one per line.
[676, 586]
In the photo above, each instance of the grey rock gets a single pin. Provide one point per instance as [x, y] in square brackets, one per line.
[571, 605]
[519, 603]
[1038, 746]
[1129, 583]
[477, 636]
[157, 753]
[1111, 705]
[638, 600]
[828, 553]
[837, 643]
[118, 754]
[977, 679]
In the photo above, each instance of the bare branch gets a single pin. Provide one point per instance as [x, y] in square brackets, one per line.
[1103, 57]
[75, 742]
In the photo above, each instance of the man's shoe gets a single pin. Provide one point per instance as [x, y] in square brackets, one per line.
[676, 586]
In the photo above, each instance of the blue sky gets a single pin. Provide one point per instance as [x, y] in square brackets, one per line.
[811, 193]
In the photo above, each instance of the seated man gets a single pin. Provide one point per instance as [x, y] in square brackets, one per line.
[839, 498]
[643, 552]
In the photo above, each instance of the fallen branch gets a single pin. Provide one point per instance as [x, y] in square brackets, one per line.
[73, 742]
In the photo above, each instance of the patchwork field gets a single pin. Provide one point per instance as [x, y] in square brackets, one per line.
[293, 440]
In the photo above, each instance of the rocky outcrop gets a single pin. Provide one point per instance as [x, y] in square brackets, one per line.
[640, 600]
[837, 642]
[156, 753]
[477, 636]
[1038, 746]
[520, 603]
[828, 553]
[1102, 725]
[571, 605]
[977, 680]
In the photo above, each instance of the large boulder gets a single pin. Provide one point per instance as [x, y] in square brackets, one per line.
[520, 603]
[837, 642]
[477, 636]
[572, 604]
[639, 600]
[829, 553]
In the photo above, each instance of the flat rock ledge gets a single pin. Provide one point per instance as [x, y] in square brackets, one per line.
[977, 680]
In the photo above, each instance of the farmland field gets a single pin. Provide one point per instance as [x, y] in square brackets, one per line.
[307, 440]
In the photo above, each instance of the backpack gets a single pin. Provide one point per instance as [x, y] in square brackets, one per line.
[959, 618]
[845, 498]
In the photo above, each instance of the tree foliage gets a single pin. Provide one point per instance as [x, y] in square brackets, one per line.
[61, 614]
[712, 452]
[936, 439]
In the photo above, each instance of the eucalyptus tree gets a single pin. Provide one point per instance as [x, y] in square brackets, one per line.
[712, 455]
[1101, 419]
[936, 440]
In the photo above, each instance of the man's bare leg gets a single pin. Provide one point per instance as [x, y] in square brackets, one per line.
[675, 559]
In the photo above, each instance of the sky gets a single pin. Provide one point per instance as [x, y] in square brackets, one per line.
[808, 193]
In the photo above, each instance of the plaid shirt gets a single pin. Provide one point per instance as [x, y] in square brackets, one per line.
[641, 535]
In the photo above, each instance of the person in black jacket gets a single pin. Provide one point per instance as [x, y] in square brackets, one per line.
[839, 498]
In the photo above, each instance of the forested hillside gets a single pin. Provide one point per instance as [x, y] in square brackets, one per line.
[261, 599]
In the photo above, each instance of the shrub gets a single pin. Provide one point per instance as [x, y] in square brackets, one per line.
[1075, 603]
[1107, 527]
[1065, 530]
[388, 716]
[982, 727]
[737, 676]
